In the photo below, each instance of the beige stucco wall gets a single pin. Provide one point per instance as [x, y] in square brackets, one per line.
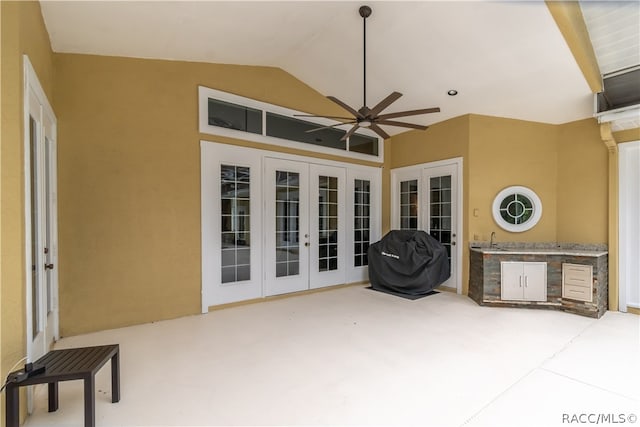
[129, 181]
[23, 32]
[566, 165]
[506, 152]
[583, 172]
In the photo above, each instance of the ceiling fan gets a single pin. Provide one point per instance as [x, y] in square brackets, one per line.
[367, 117]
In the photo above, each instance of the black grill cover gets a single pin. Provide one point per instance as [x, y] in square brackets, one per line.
[408, 262]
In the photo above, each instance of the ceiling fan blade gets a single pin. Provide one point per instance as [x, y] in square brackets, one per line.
[409, 113]
[401, 124]
[325, 117]
[351, 132]
[377, 129]
[385, 103]
[330, 126]
[345, 106]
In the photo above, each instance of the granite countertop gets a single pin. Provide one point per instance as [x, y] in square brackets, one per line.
[553, 248]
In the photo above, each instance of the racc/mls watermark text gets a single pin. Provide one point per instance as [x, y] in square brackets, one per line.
[599, 418]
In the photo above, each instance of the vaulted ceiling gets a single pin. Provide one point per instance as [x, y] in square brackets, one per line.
[505, 59]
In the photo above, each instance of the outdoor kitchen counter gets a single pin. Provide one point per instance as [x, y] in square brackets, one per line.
[485, 274]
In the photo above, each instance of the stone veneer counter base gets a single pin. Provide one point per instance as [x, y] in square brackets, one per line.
[485, 274]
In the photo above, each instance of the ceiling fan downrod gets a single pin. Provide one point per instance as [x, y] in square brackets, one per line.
[365, 12]
[366, 117]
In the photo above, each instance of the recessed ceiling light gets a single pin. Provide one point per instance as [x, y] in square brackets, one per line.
[452, 92]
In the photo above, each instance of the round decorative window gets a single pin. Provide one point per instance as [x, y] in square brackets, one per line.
[517, 209]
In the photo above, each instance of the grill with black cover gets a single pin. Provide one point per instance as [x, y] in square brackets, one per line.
[407, 263]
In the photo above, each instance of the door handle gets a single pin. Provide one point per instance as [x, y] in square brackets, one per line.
[48, 266]
[306, 243]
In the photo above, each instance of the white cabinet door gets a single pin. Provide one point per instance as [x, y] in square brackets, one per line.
[523, 281]
[535, 281]
[511, 281]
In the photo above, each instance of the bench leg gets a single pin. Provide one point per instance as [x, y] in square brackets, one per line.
[89, 401]
[12, 418]
[53, 397]
[115, 377]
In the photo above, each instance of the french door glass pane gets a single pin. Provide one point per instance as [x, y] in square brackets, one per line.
[287, 223]
[409, 205]
[440, 210]
[35, 294]
[328, 223]
[362, 208]
[235, 223]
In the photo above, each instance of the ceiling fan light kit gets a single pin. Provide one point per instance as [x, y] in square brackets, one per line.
[367, 117]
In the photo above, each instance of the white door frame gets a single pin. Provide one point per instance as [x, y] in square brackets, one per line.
[628, 230]
[37, 105]
[213, 154]
[34, 94]
[417, 172]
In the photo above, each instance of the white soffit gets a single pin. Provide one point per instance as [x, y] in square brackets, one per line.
[506, 59]
[614, 30]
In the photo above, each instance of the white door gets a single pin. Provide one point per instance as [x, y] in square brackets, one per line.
[286, 226]
[41, 225]
[327, 263]
[363, 221]
[274, 223]
[40, 184]
[428, 197]
[231, 225]
[304, 226]
[629, 230]
[439, 218]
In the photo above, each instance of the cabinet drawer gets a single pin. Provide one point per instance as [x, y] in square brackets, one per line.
[578, 281]
[578, 275]
[579, 293]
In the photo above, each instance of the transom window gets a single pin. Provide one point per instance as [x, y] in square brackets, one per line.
[234, 116]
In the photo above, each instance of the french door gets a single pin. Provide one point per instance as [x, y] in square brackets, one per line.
[428, 197]
[274, 223]
[439, 217]
[41, 218]
[304, 226]
[40, 221]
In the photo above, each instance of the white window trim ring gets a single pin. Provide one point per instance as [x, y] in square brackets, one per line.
[517, 228]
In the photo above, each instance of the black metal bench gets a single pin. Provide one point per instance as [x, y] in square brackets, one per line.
[66, 365]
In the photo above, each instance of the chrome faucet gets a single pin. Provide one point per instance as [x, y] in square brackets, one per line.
[493, 236]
